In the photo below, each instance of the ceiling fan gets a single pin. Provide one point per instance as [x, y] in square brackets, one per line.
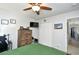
[36, 7]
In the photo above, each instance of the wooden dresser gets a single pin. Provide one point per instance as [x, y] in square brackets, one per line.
[24, 36]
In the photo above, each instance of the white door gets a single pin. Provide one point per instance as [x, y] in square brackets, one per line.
[45, 34]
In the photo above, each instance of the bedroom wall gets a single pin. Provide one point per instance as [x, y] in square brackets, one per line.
[21, 20]
[59, 40]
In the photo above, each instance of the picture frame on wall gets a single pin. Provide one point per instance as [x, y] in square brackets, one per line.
[12, 21]
[58, 26]
[4, 21]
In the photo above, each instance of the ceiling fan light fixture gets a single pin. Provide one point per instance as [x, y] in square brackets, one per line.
[36, 8]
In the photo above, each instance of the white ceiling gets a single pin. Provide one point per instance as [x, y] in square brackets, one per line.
[58, 8]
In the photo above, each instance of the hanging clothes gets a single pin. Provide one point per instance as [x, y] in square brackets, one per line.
[72, 32]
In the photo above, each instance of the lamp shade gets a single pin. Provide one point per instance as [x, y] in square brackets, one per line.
[36, 8]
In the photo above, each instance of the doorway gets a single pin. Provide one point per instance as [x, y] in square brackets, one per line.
[73, 36]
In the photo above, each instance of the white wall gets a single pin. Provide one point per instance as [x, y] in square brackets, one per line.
[35, 32]
[59, 36]
[12, 29]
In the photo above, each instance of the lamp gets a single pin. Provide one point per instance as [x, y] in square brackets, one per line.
[36, 8]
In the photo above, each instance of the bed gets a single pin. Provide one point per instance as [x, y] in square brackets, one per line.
[34, 49]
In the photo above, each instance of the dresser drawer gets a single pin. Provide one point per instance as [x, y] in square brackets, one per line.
[24, 37]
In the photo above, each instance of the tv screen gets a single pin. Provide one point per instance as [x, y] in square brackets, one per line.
[34, 24]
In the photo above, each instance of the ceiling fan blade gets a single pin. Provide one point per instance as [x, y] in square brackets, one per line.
[39, 4]
[32, 4]
[27, 8]
[38, 12]
[45, 8]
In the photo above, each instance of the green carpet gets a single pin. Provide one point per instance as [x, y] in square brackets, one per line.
[33, 49]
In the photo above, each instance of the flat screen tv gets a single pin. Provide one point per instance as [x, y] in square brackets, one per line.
[34, 24]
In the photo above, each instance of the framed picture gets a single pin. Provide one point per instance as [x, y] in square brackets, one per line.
[4, 21]
[12, 21]
[58, 26]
